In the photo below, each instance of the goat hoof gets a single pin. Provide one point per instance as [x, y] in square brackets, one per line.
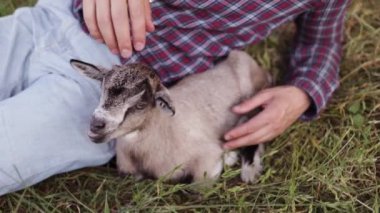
[250, 173]
[230, 158]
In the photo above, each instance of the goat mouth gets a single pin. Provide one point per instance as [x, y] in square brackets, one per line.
[96, 138]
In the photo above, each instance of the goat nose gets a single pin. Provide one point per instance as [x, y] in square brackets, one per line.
[97, 125]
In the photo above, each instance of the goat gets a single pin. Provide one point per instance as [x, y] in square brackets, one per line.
[175, 133]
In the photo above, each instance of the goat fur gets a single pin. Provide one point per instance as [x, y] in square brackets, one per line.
[189, 143]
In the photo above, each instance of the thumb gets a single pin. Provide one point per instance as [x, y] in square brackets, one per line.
[252, 103]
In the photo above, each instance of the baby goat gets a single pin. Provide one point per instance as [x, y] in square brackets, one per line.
[175, 133]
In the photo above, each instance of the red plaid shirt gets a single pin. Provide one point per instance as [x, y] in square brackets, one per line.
[191, 35]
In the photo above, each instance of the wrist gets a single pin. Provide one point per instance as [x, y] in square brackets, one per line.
[301, 97]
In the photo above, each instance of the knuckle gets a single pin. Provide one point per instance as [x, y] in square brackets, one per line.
[242, 131]
[138, 25]
[124, 41]
[112, 46]
[109, 39]
[117, 15]
[139, 37]
[110, 43]
[124, 46]
[232, 135]
[273, 116]
[103, 22]
[140, 21]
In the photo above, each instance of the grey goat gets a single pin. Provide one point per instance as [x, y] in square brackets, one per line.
[175, 133]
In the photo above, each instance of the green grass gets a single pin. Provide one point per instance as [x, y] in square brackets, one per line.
[8, 6]
[328, 165]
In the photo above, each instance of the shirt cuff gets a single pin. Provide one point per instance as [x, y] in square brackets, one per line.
[315, 95]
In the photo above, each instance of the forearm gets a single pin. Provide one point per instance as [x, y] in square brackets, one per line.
[316, 55]
[316, 73]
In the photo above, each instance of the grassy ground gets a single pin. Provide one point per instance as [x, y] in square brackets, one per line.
[329, 165]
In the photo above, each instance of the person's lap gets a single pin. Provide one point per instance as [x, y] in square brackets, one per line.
[45, 106]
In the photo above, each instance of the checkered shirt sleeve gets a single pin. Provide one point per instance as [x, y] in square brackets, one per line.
[316, 54]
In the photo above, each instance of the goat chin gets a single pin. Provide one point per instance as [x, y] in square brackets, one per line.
[96, 138]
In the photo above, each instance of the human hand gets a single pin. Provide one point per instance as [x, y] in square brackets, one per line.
[282, 106]
[119, 23]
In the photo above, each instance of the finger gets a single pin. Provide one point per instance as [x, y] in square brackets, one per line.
[136, 13]
[120, 21]
[260, 120]
[262, 135]
[258, 100]
[89, 15]
[148, 17]
[103, 15]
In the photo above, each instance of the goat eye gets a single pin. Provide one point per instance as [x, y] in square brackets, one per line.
[140, 106]
[116, 91]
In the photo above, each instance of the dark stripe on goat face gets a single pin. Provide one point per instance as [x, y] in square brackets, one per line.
[247, 153]
[145, 86]
[146, 101]
[118, 95]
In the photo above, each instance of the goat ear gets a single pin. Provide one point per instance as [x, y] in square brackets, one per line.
[87, 69]
[164, 101]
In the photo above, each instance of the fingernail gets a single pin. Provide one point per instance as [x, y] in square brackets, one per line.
[227, 137]
[99, 40]
[126, 53]
[139, 46]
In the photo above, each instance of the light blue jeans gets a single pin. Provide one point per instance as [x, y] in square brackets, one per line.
[45, 105]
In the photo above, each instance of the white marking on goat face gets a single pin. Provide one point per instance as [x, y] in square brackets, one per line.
[127, 96]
